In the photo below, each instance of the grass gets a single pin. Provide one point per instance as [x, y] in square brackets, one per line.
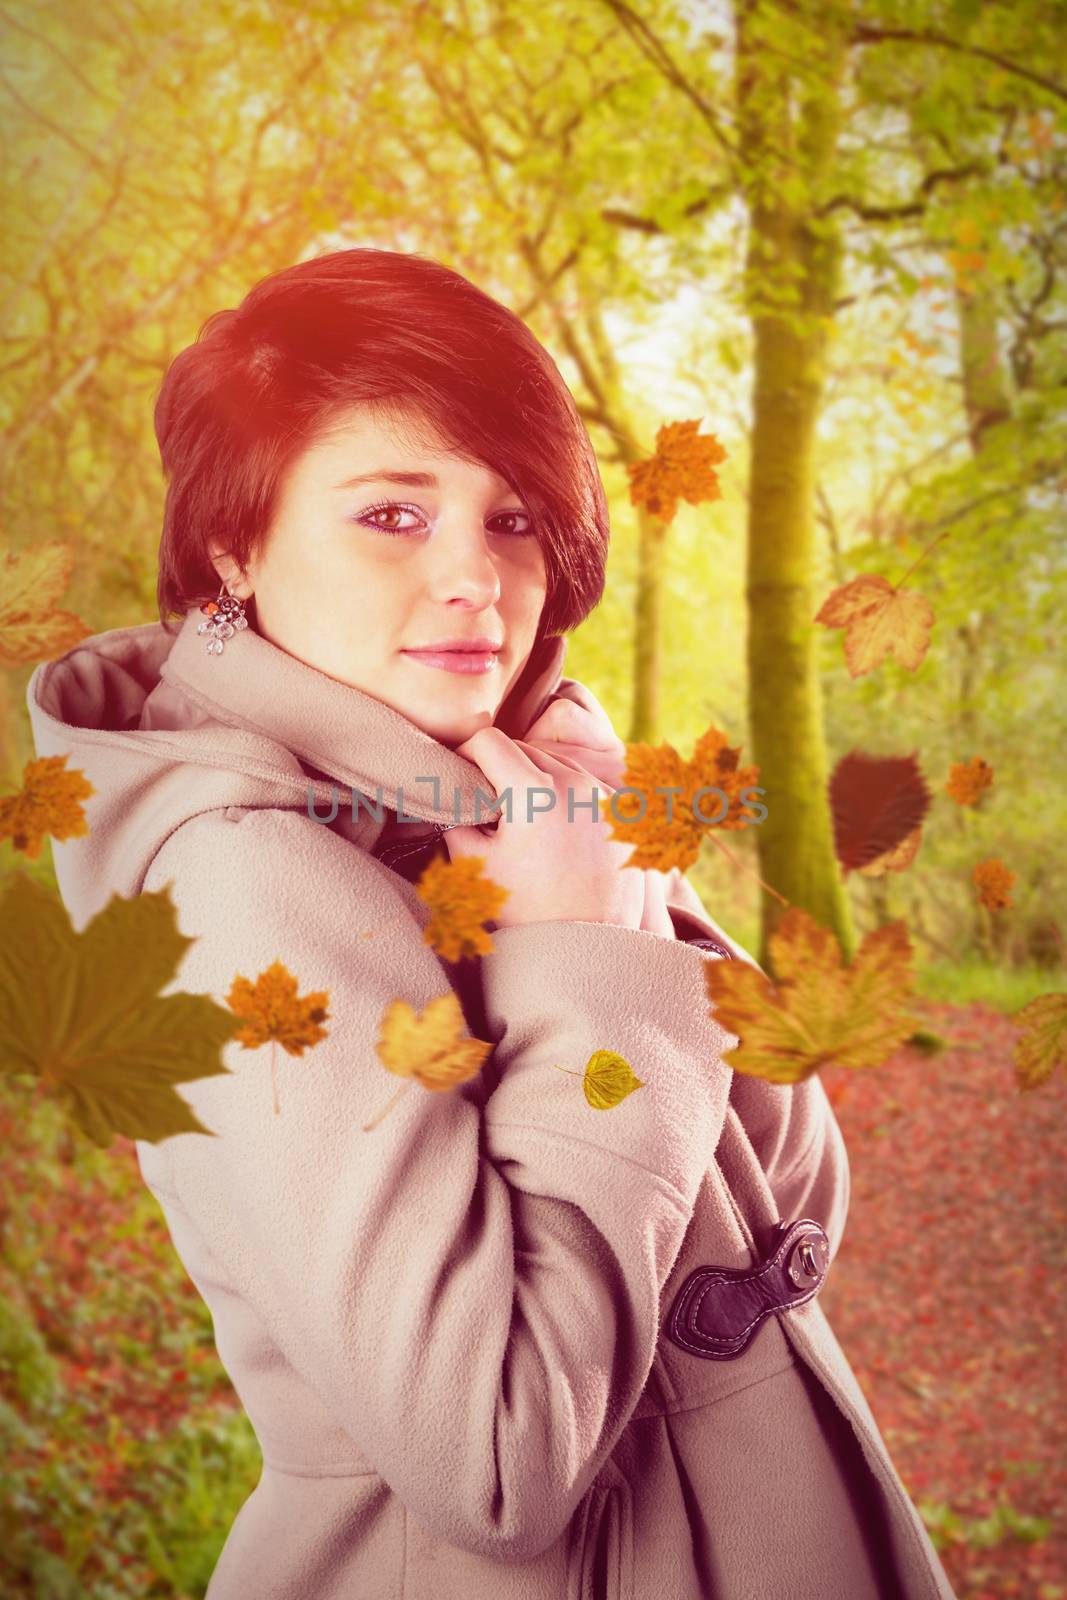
[1004, 989]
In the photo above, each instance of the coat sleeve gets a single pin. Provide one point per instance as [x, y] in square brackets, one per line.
[472, 1290]
[792, 1127]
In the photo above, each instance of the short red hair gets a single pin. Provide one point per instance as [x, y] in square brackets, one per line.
[400, 333]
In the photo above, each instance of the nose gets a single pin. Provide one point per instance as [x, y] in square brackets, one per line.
[465, 568]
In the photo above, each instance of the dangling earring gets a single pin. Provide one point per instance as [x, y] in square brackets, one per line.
[225, 617]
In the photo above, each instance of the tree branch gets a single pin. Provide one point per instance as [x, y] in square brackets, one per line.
[867, 33]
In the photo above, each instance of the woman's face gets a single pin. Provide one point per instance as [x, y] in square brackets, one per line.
[424, 550]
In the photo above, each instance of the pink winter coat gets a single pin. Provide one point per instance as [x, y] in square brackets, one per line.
[453, 1334]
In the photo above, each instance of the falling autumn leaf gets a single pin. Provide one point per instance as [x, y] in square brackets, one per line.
[816, 1012]
[431, 1047]
[461, 901]
[879, 620]
[271, 1010]
[83, 1012]
[31, 581]
[876, 804]
[47, 803]
[683, 468]
[607, 1080]
[968, 780]
[669, 833]
[1042, 1046]
[993, 881]
[273, 1013]
[898, 859]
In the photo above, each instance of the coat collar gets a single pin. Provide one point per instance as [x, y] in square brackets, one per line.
[344, 733]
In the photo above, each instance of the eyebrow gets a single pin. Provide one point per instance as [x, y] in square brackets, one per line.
[414, 480]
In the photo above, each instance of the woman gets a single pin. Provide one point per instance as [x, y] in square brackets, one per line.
[474, 1336]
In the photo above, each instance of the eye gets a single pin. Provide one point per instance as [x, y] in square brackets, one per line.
[389, 506]
[394, 508]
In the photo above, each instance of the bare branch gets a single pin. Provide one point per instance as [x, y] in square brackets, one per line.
[656, 52]
[906, 208]
[867, 33]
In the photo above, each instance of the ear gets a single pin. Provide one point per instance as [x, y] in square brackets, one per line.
[237, 581]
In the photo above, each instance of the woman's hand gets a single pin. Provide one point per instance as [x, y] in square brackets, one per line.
[556, 867]
[577, 731]
[576, 728]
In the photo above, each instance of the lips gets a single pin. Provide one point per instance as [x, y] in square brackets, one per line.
[477, 647]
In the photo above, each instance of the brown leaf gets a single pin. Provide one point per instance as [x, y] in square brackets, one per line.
[876, 803]
[896, 860]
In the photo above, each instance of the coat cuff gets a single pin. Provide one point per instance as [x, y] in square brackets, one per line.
[556, 992]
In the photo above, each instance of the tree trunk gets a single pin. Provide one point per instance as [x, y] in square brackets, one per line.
[792, 272]
[648, 625]
[986, 402]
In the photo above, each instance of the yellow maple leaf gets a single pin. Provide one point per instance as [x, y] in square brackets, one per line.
[430, 1047]
[460, 900]
[968, 780]
[31, 581]
[1042, 1046]
[83, 1012]
[664, 829]
[682, 468]
[270, 1010]
[47, 803]
[993, 881]
[607, 1080]
[816, 1012]
[879, 620]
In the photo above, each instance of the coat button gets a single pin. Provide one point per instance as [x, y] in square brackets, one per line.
[808, 1260]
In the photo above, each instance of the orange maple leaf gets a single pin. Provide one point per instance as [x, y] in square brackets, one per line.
[878, 620]
[682, 468]
[47, 803]
[816, 1012]
[968, 780]
[31, 581]
[669, 833]
[271, 1011]
[993, 880]
[273, 1014]
[1042, 1046]
[461, 901]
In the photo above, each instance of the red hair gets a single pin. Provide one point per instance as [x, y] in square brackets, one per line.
[409, 338]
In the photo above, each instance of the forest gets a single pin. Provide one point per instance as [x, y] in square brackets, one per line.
[804, 269]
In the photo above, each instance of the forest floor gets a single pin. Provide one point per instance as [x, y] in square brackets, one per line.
[949, 1295]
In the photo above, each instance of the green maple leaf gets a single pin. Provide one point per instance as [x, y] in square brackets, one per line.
[83, 1012]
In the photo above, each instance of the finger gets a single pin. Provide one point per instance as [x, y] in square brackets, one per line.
[579, 694]
[558, 766]
[501, 759]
